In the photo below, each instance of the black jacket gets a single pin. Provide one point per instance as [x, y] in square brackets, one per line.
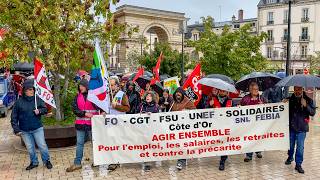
[23, 117]
[134, 101]
[149, 107]
[298, 115]
[165, 107]
[204, 102]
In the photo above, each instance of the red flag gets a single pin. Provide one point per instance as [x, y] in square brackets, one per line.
[43, 89]
[139, 73]
[192, 87]
[156, 71]
[2, 32]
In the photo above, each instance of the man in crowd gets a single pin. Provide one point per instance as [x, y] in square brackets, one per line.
[134, 98]
[84, 110]
[119, 104]
[181, 102]
[301, 107]
[26, 122]
[253, 98]
[221, 100]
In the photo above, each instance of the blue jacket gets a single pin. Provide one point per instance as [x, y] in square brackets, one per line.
[299, 116]
[23, 118]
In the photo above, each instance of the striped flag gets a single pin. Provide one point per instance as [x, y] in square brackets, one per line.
[41, 83]
[98, 85]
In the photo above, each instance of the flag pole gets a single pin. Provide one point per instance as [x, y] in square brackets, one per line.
[34, 86]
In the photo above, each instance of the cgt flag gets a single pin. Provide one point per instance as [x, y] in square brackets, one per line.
[41, 84]
[98, 85]
[192, 87]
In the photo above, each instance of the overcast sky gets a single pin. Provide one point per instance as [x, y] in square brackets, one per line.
[195, 9]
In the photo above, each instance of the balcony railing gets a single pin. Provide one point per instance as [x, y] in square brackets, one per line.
[284, 39]
[270, 22]
[305, 19]
[304, 38]
[270, 40]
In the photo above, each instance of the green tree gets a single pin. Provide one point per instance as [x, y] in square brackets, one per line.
[233, 53]
[62, 32]
[172, 60]
[315, 64]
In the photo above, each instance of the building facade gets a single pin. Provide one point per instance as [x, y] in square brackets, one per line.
[194, 30]
[305, 36]
[154, 26]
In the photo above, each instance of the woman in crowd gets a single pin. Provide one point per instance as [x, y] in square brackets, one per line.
[149, 106]
[165, 101]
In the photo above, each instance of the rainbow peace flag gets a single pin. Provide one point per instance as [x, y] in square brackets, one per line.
[98, 85]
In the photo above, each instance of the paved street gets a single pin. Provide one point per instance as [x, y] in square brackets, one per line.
[13, 160]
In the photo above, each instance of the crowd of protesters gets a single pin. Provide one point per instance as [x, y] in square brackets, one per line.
[25, 118]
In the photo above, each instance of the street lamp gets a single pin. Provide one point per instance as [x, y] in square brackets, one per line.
[289, 40]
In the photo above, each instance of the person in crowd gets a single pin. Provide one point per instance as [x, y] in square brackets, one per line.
[84, 110]
[134, 98]
[165, 101]
[221, 100]
[274, 94]
[253, 98]
[149, 106]
[180, 103]
[205, 99]
[123, 86]
[26, 122]
[150, 89]
[301, 107]
[119, 105]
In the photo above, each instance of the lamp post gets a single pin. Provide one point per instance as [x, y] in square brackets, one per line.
[183, 31]
[289, 40]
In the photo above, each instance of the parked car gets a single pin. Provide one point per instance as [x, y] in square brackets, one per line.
[8, 95]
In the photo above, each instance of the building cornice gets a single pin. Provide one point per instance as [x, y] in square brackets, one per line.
[143, 11]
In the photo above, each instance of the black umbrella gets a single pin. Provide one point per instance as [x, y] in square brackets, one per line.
[301, 80]
[264, 80]
[145, 74]
[23, 66]
[222, 77]
[142, 81]
[164, 76]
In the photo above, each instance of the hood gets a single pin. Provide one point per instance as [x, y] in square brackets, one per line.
[181, 91]
[84, 83]
[29, 83]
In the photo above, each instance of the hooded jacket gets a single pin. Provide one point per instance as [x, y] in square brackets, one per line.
[185, 103]
[23, 117]
[299, 116]
[134, 99]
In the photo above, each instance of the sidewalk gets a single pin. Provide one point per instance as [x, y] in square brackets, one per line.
[13, 163]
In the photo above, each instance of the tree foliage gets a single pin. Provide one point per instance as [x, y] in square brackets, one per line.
[62, 32]
[233, 53]
[172, 60]
[315, 64]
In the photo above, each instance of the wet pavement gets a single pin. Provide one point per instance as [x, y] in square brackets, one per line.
[14, 159]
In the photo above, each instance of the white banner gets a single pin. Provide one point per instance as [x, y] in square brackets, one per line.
[190, 134]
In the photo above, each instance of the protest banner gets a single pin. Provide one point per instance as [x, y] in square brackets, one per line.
[171, 84]
[190, 134]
